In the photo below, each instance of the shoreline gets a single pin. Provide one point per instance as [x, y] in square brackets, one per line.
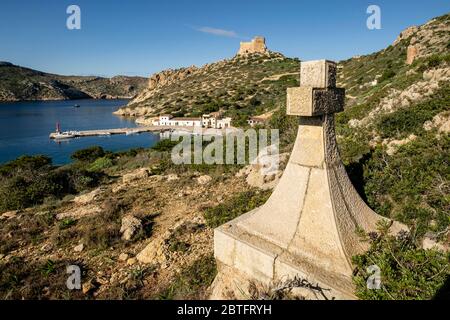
[56, 100]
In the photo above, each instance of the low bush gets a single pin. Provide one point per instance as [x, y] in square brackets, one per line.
[88, 154]
[412, 185]
[387, 74]
[29, 180]
[101, 164]
[165, 145]
[407, 271]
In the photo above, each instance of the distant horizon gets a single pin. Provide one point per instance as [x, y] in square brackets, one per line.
[139, 38]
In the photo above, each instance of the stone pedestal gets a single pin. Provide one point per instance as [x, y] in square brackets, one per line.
[308, 227]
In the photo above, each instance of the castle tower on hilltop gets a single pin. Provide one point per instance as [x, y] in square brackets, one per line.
[257, 45]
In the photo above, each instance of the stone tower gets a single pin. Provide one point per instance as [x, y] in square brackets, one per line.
[257, 45]
[308, 227]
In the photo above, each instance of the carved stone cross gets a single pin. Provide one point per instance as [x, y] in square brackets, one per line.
[308, 226]
[317, 94]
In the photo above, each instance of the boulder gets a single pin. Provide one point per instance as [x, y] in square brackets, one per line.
[130, 226]
[8, 215]
[429, 243]
[123, 257]
[79, 248]
[405, 34]
[154, 252]
[393, 145]
[172, 177]
[88, 197]
[205, 179]
[261, 174]
[138, 174]
[89, 286]
[79, 212]
[440, 121]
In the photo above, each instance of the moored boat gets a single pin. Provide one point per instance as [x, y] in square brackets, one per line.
[63, 135]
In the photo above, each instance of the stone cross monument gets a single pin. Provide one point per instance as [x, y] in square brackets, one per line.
[308, 227]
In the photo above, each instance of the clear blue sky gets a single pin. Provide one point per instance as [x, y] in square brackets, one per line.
[141, 37]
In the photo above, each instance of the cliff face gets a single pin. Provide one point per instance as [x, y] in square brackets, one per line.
[166, 77]
[19, 83]
[430, 38]
[161, 79]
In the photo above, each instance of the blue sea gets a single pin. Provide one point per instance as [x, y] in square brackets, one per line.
[25, 128]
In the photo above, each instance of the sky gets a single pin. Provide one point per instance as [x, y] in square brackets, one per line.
[137, 37]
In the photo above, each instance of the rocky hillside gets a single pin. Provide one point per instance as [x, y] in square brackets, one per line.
[394, 134]
[241, 86]
[19, 83]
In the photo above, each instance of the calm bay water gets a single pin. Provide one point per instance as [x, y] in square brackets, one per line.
[25, 128]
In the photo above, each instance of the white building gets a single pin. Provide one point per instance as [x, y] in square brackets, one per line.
[168, 120]
[223, 123]
[213, 120]
[253, 121]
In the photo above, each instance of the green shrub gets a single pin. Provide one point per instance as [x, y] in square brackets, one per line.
[254, 102]
[101, 164]
[21, 191]
[431, 62]
[164, 145]
[286, 125]
[353, 148]
[28, 181]
[89, 154]
[67, 223]
[407, 271]
[25, 164]
[410, 185]
[387, 74]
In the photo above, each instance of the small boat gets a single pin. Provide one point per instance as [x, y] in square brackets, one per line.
[60, 135]
[63, 135]
[76, 106]
[131, 132]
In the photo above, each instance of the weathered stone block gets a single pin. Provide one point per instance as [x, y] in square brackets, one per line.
[224, 247]
[309, 101]
[318, 74]
[254, 261]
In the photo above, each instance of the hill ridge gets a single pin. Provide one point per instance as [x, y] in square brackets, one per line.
[19, 83]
